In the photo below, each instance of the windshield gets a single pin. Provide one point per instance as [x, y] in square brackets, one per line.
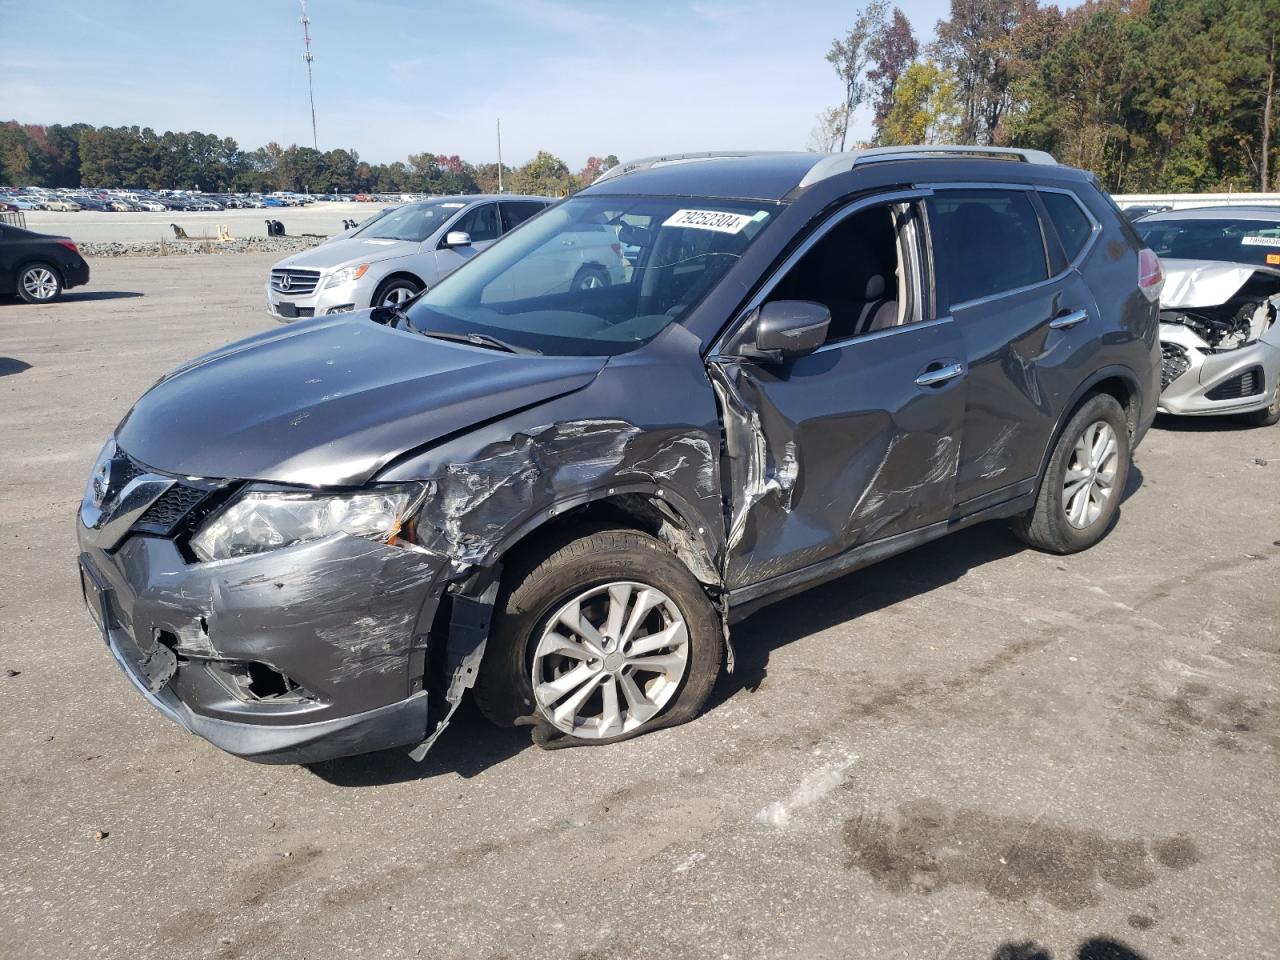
[413, 221]
[595, 276]
[1231, 241]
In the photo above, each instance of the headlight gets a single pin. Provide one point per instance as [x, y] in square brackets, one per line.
[261, 520]
[346, 275]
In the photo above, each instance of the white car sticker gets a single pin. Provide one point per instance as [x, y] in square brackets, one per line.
[453, 206]
[1256, 241]
[716, 220]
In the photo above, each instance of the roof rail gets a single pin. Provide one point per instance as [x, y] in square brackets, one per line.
[838, 163]
[644, 163]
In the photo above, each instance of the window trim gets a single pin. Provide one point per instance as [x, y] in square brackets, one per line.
[940, 187]
[776, 274]
[1095, 227]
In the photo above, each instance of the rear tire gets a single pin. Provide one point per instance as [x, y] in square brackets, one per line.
[39, 283]
[528, 625]
[1083, 480]
[1268, 416]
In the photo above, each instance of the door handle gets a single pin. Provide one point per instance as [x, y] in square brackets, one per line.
[941, 374]
[1068, 320]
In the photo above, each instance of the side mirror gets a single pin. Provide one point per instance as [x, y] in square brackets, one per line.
[457, 238]
[790, 328]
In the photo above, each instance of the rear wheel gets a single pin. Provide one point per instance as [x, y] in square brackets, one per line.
[1083, 481]
[607, 636]
[1266, 417]
[39, 283]
[395, 292]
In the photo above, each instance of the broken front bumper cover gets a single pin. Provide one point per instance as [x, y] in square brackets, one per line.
[1212, 383]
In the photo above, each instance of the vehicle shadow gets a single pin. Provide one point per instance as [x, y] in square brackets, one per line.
[471, 744]
[1200, 424]
[11, 365]
[1095, 948]
[84, 296]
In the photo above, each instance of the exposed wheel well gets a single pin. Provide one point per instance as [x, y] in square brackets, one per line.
[392, 277]
[1119, 388]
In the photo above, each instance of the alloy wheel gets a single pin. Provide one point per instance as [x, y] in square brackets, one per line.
[610, 659]
[396, 296]
[1091, 472]
[40, 283]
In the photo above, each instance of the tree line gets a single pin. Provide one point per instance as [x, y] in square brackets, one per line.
[1150, 95]
[139, 158]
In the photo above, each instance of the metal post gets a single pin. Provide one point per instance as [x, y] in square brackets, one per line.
[306, 55]
[499, 154]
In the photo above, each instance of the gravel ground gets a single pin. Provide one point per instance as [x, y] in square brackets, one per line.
[970, 751]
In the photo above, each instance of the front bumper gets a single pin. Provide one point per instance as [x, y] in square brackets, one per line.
[291, 656]
[324, 300]
[1191, 394]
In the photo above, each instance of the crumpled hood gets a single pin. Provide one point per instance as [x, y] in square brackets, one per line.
[1204, 283]
[330, 401]
[338, 253]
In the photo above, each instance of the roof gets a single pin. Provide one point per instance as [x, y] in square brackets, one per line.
[775, 176]
[1223, 211]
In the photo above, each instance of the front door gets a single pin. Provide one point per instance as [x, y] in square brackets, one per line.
[858, 441]
[482, 224]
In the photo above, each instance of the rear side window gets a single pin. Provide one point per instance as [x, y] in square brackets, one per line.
[516, 212]
[1074, 228]
[985, 242]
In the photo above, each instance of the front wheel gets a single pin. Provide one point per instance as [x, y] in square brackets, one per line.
[39, 283]
[1268, 416]
[607, 636]
[1083, 481]
[590, 277]
[395, 292]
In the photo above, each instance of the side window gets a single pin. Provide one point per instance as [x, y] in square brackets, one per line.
[859, 270]
[516, 212]
[1074, 228]
[985, 242]
[480, 222]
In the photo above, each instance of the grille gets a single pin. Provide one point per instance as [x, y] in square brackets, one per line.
[295, 283]
[175, 504]
[1173, 363]
[128, 471]
[1247, 384]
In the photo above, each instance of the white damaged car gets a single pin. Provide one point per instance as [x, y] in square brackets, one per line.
[1219, 332]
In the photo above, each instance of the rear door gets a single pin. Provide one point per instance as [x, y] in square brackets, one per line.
[858, 441]
[1026, 321]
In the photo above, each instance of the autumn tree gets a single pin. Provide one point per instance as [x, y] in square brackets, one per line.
[849, 56]
[891, 49]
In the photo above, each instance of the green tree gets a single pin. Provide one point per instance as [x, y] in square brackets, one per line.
[925, 107]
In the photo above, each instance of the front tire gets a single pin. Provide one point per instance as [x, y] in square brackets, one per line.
[1268, 416]
[1083, 481]
[590, 277]
[39, 283]
[601, 637]
[395, 292]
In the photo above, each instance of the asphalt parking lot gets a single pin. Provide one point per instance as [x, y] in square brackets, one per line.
[970, 751]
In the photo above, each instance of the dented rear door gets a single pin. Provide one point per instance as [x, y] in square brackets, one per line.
[844, 446]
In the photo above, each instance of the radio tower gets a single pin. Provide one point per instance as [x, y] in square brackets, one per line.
[306, 55]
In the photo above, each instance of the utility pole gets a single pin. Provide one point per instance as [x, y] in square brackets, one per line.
[306, 55]
[499, 154]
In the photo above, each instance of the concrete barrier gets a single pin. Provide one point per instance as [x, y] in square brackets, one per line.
[1181, 201]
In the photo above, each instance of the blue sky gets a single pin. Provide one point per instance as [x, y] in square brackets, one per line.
[394, 76]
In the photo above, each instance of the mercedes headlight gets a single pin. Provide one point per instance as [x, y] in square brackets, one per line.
[259, 520]
[346, 275]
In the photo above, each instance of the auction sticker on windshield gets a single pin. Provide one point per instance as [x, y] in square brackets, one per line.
[716, 220]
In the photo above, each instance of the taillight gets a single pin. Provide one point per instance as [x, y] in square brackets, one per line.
[70, 245]
[1150, 274]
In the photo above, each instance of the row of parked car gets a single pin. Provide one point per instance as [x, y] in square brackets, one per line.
[123, 201]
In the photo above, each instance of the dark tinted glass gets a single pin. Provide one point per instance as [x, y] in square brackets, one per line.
[1232, 241]
[516, 212]
[984, 242]
[480, 222]
[1069, 220]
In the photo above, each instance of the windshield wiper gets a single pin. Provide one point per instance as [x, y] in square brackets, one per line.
[478, 340]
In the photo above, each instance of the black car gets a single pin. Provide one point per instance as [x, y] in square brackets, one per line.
[38, 267]
[562, 497]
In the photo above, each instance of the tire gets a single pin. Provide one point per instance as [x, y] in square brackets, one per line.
[1268, 416]
[590, 277]
[1062, 522]
[607, 563]
[395, 292]
[39, 283]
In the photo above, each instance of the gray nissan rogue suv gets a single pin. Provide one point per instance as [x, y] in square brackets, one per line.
[312, 542]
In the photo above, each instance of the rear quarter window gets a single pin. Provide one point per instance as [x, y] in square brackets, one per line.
[985, 242]
[1073, 227]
